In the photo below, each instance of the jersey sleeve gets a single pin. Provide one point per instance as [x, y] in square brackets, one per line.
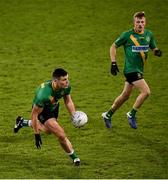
[152, 43]
[40, 98]
[121, 39]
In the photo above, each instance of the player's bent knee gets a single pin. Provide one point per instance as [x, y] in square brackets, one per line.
[147, 93]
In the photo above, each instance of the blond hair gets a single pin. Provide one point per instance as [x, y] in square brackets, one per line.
[140, 14]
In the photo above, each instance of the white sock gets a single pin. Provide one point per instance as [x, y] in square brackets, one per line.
[71, 152]
[30, 123]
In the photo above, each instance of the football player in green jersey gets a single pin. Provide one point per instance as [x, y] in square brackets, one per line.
[136, 42]
[44, 115]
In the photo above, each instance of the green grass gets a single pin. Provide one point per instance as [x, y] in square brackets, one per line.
[38, 35]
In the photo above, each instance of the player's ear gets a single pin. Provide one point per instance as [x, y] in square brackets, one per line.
[133, 21]
[55, 80]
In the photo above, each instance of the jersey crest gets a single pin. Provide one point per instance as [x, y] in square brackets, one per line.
[148, 39]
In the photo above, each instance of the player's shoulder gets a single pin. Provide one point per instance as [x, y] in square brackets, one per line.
[44, 89]
[130, 31]
[45, 85]
[147, 30]
[127, 32]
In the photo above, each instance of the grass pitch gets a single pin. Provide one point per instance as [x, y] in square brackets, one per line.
[38, 35]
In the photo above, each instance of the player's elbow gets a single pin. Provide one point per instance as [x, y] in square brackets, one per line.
[113, 47]
[113, 51]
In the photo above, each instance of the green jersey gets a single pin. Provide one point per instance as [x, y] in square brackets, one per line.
[45, 96]
[133, 59]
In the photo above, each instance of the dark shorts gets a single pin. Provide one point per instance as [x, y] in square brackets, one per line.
[131, 77]
[47, 114]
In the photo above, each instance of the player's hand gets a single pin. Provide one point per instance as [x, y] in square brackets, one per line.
[114, 68]
[158, 52]
[38, 141]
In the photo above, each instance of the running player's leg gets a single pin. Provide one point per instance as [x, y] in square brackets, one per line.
[21, 122]
[53, 126]
[143, 87]
[122, 97]
[117, 103]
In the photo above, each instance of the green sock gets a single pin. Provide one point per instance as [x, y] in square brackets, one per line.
[133, 112]
[73, 155]
[25, 122]
[110, 113]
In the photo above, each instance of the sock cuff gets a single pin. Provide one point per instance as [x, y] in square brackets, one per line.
[30, 123]
[135, 109]
[71, 152]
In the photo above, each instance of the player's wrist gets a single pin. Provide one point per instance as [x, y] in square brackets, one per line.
[37, 134]
[113, 61]
[36, 131]
[72, 113]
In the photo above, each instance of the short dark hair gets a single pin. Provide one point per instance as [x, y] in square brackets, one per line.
[58, 73]
[140, 14]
